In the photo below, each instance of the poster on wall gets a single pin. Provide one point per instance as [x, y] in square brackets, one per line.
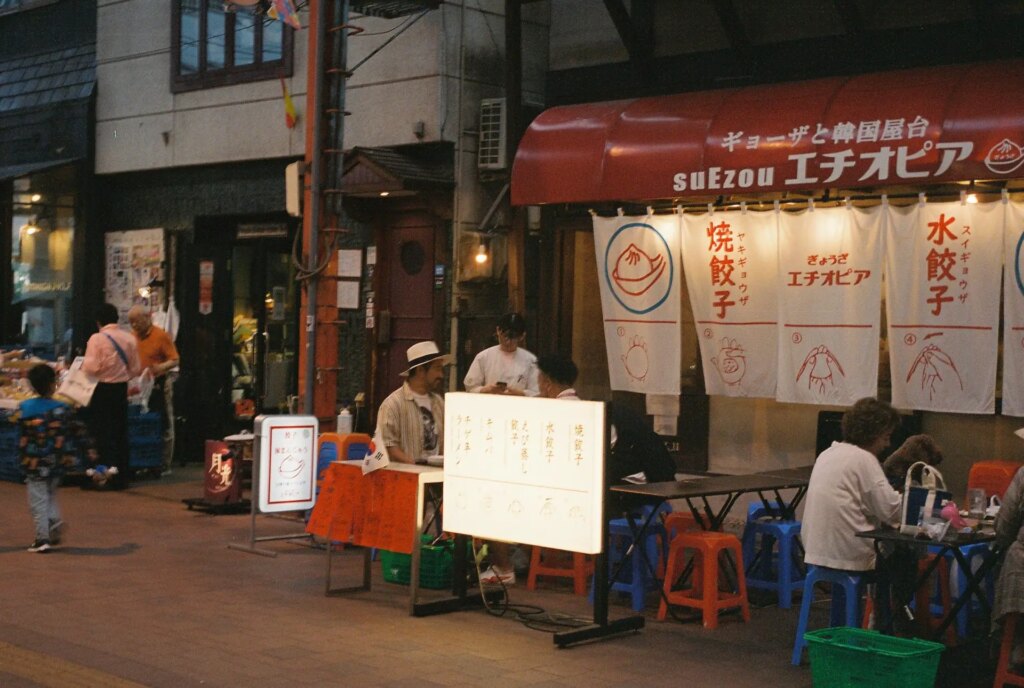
[1013, 312]
[524, 469]
[638, 270]
[830, 291]
[134, 261]
[730, 260]
[943, 271]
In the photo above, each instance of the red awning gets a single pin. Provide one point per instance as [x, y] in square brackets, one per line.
[908, 127]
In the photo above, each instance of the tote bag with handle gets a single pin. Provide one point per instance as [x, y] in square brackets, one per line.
[924, 499]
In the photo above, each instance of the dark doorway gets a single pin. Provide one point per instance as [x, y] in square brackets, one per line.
[239, 328]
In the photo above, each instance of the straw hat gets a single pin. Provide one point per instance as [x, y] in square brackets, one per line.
[422, 353]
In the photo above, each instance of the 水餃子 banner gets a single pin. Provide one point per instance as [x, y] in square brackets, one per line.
[638, 269]
[1013, 312]
[829, 291]
[730, 260]
[942, 273]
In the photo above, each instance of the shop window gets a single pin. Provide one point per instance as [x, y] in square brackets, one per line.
[218, 44]
[42, 233]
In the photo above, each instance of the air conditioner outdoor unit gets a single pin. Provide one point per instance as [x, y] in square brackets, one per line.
[491, 154]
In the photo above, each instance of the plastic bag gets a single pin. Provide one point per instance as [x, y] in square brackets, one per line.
[139, 390]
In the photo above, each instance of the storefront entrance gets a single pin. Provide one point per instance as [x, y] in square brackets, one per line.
[410, 301]
[240, 329]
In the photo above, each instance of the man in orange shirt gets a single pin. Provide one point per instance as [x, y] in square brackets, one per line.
[158, 354]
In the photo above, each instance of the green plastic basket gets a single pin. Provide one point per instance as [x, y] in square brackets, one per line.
[842, 657]
[435, 564]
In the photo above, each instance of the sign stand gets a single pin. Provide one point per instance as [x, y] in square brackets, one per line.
[602, 627]
[285, 459]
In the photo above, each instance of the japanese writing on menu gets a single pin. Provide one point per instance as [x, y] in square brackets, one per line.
[728, 265]
[291, 462]
[524, 440]
[902, 144]
[827, 276]
[948, 262]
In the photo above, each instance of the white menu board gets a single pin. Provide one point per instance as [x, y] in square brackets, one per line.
[286, 447]
[522, 469]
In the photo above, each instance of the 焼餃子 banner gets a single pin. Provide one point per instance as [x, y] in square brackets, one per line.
[730, 260]
[638, 268]
[942, 274]
[829, 291]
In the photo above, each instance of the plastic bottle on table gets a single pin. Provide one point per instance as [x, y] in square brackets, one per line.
[344, 422]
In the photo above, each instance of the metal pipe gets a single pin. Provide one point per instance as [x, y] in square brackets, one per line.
[457, 201]
[316, 185]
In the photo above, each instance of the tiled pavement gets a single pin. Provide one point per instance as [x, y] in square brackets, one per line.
[146, 592]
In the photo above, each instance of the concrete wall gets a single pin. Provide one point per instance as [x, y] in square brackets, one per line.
[141, 125]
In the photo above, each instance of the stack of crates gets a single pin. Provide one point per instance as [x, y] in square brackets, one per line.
[10, 468]
[145, 440]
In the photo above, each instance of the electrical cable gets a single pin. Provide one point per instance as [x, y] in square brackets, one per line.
[531, 616]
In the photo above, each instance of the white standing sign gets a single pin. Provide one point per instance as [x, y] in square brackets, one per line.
[286, 474]
[522, 469]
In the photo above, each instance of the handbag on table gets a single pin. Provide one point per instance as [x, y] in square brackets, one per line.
[922, 501]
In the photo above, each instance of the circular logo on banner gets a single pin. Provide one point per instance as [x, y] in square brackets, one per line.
[638, 267]
[1017, 259]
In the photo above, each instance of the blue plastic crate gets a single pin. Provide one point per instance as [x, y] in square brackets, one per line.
[10, 468]
[144, 425]
[148, 453]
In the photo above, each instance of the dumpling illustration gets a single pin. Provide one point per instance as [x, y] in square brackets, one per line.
[291, 467]
[1005, 157]
[636, 272]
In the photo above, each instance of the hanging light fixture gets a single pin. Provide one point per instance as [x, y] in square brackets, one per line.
[971, 196]
[482, 255]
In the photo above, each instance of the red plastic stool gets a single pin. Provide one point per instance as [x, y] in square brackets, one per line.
[540, 565]
[703, 594]
[1003, 673]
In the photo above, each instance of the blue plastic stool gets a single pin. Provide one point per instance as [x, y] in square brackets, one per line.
[847, 588]
[767, 570]
[634, 574]
[979, 551]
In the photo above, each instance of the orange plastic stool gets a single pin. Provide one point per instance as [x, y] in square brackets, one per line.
[992, 476]
[922, 600]
[707, 547]
[675, 523]
[580, 571]
[1003, 673]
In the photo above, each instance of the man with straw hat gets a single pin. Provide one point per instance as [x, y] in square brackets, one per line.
[411, 419]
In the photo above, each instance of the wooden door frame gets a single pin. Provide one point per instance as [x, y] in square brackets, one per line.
[389, 217]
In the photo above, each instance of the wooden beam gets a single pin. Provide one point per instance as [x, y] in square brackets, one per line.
[636, 33]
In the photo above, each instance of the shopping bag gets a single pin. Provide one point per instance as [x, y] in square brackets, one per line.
[922, 501]
[78, 385]
[140, 389]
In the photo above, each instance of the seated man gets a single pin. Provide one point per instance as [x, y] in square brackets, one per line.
[848, 493]
[636, 449]
[411, 419]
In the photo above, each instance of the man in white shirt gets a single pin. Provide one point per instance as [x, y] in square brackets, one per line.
[506, 368]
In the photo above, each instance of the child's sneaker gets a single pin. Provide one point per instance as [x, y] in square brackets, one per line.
[57, 529]
[40, 546]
